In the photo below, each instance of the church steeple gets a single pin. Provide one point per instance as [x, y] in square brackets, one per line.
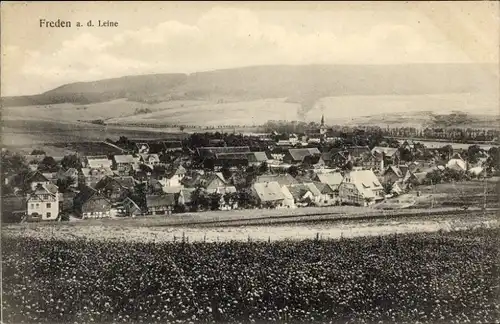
[322, 120]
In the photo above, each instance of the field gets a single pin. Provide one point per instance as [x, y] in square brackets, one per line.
[426, 278]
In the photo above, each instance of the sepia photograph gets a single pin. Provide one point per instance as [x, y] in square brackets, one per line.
[250, 162]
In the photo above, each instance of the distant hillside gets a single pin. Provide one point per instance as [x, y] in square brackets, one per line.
[300, 84]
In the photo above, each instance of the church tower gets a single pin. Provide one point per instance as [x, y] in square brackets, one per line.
[322, 127]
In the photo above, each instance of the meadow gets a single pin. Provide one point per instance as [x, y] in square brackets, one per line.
[413, 278]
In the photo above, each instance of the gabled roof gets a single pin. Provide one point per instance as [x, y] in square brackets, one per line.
[127, 182]
[35, 176]
[394, 169]
[365, 181]
[281, 179]
[119, 158]
[48, 188]
[257, 157]
[147, 157]
[300, 153]
[160, 200]
[388, 151]
[268, 191]
[203, 180]
[333, 179]
[298, 191]
[86, 193]
[212, 150]
[186, 193]
[98, 161]
[324, 188]
[142, 147]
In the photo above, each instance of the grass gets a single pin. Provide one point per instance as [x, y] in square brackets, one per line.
[413, 278]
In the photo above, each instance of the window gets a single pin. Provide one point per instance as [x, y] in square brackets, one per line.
[32, 205]
[37, 205]
[48, 214]
[48, 205]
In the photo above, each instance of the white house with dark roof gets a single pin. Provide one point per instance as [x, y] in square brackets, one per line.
[43, 202]
[361, 187]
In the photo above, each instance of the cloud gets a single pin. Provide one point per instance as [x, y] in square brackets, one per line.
[222, 38]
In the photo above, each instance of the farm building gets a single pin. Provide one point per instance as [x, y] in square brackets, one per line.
[127, 208]
[89, 203]
[149, 159]
[95, 162]
[211, 151]
[160, 204]
[173, 177]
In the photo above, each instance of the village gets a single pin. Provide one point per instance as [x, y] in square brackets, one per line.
[214, 171]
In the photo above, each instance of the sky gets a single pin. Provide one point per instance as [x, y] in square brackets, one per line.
[187, 37]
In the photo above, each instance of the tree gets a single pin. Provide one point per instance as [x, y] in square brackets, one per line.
[71, 161]
[48, 164]
[263, 168]
[406, 155]
[226, 173]
[37, 152]
[246, 199]
[293, 171]
[13, 163]
[139, 195]
[199, 199]
[65, 184]
[214, 200]
[473, 154]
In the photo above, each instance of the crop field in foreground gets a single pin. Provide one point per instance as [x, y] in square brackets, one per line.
[432, 278]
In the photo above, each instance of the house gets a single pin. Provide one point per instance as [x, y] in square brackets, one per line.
[43, 202]
[124, 164]
[457, 163]
[289, 201]
[328, 194]
[127, 208]
[295, 156]
[269, 194]
[115, 188]
[301, 194]
[359, 156]
[477, 171]
[89, 203]
[314, 161]
[160, 204]
[173, 177]
[95, 162]
[211, 182]
[392, 174]
[386, 156]
[149, 159]
[91, 176]
[360, 188]
[35, 178]
[332, 179]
